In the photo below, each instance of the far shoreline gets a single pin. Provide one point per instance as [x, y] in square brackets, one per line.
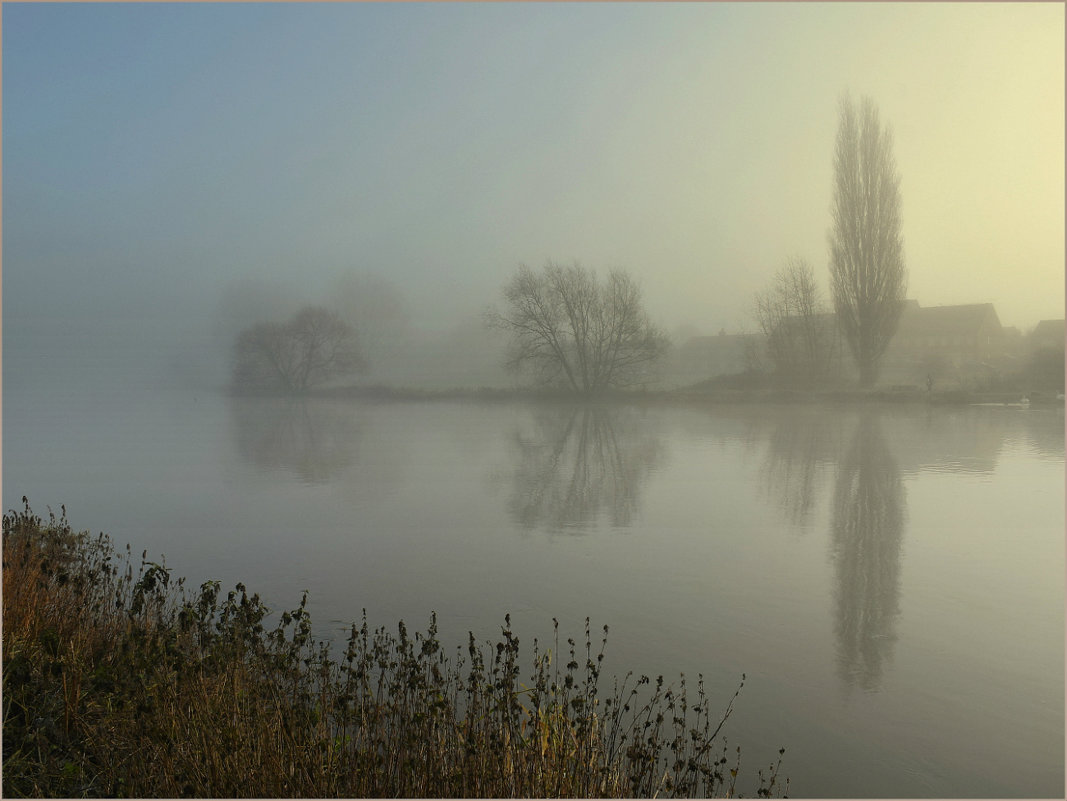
[695, 394]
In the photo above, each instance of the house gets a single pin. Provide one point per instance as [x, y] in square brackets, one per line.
[1044, 360]
[946, 343]
[703, 357]
[1047, 334]
[971, 332]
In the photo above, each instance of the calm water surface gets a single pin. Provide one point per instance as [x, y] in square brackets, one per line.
[890, 580]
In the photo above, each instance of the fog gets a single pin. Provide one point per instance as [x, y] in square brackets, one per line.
[176, 174]
[173, 172]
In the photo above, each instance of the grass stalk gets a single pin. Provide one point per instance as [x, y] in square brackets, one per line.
[119, 681]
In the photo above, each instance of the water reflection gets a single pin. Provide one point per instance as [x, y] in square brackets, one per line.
[801, 449]
[1045, 432]
[573, 468]
[869, 512]
[313, 440]
[960, 440]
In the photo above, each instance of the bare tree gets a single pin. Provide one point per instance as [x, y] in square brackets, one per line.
[568, 329]
[867, 270]
[799, 331]
[313, 346]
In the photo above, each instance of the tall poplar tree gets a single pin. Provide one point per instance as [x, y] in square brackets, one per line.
[868, 277]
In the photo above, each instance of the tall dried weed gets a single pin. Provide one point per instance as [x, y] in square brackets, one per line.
[121, 682]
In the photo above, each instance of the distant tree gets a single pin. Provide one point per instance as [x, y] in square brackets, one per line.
[868, 275]
[315, 345]
[569, 329]
[799, 332]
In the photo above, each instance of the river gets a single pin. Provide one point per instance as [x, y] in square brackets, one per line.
[890, 579]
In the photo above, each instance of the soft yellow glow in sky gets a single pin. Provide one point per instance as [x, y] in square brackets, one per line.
[975, 96]
[443, 144]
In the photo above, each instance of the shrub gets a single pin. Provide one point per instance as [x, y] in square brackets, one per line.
[123, 683]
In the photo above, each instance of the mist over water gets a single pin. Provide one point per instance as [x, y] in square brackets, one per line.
[888, 578]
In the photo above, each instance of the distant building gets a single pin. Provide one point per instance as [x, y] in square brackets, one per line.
[970, 332]
[703, 357]
[1044, 357]
[950, 344]
[1047, 334]
[954, 344]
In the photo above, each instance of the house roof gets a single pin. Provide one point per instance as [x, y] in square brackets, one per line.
[715, 342]
[947, 320]
[1049, 329]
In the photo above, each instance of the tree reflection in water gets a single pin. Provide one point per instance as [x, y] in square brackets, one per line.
[869, 513]
[801, 450]
[575, 467]
[313, 440]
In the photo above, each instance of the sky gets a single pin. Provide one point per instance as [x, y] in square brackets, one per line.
[155, 155]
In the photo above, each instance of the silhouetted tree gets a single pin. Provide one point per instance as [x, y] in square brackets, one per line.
[569, 329]
[800, 335]
[867, 271]
[315, 345]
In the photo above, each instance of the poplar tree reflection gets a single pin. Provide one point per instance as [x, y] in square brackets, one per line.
[580, 465]
[869, 512]
[313, 440]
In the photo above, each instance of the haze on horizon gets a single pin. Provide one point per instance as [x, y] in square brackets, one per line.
[158, 156]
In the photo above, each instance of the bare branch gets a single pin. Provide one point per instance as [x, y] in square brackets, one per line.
[569, 329]
[799, 331]
[314, 346]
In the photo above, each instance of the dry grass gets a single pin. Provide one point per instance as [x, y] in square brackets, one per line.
[122, 683]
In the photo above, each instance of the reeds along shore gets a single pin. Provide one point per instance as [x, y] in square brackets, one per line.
[121, 682]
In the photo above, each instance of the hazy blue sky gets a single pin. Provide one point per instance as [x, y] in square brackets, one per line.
[154, 154]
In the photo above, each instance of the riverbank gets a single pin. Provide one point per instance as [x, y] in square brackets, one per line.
[118, 681]
[710, 393]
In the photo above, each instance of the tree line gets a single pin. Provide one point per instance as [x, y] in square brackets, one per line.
[568, 328]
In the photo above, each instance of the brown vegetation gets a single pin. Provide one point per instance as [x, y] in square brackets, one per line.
[119, 683]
